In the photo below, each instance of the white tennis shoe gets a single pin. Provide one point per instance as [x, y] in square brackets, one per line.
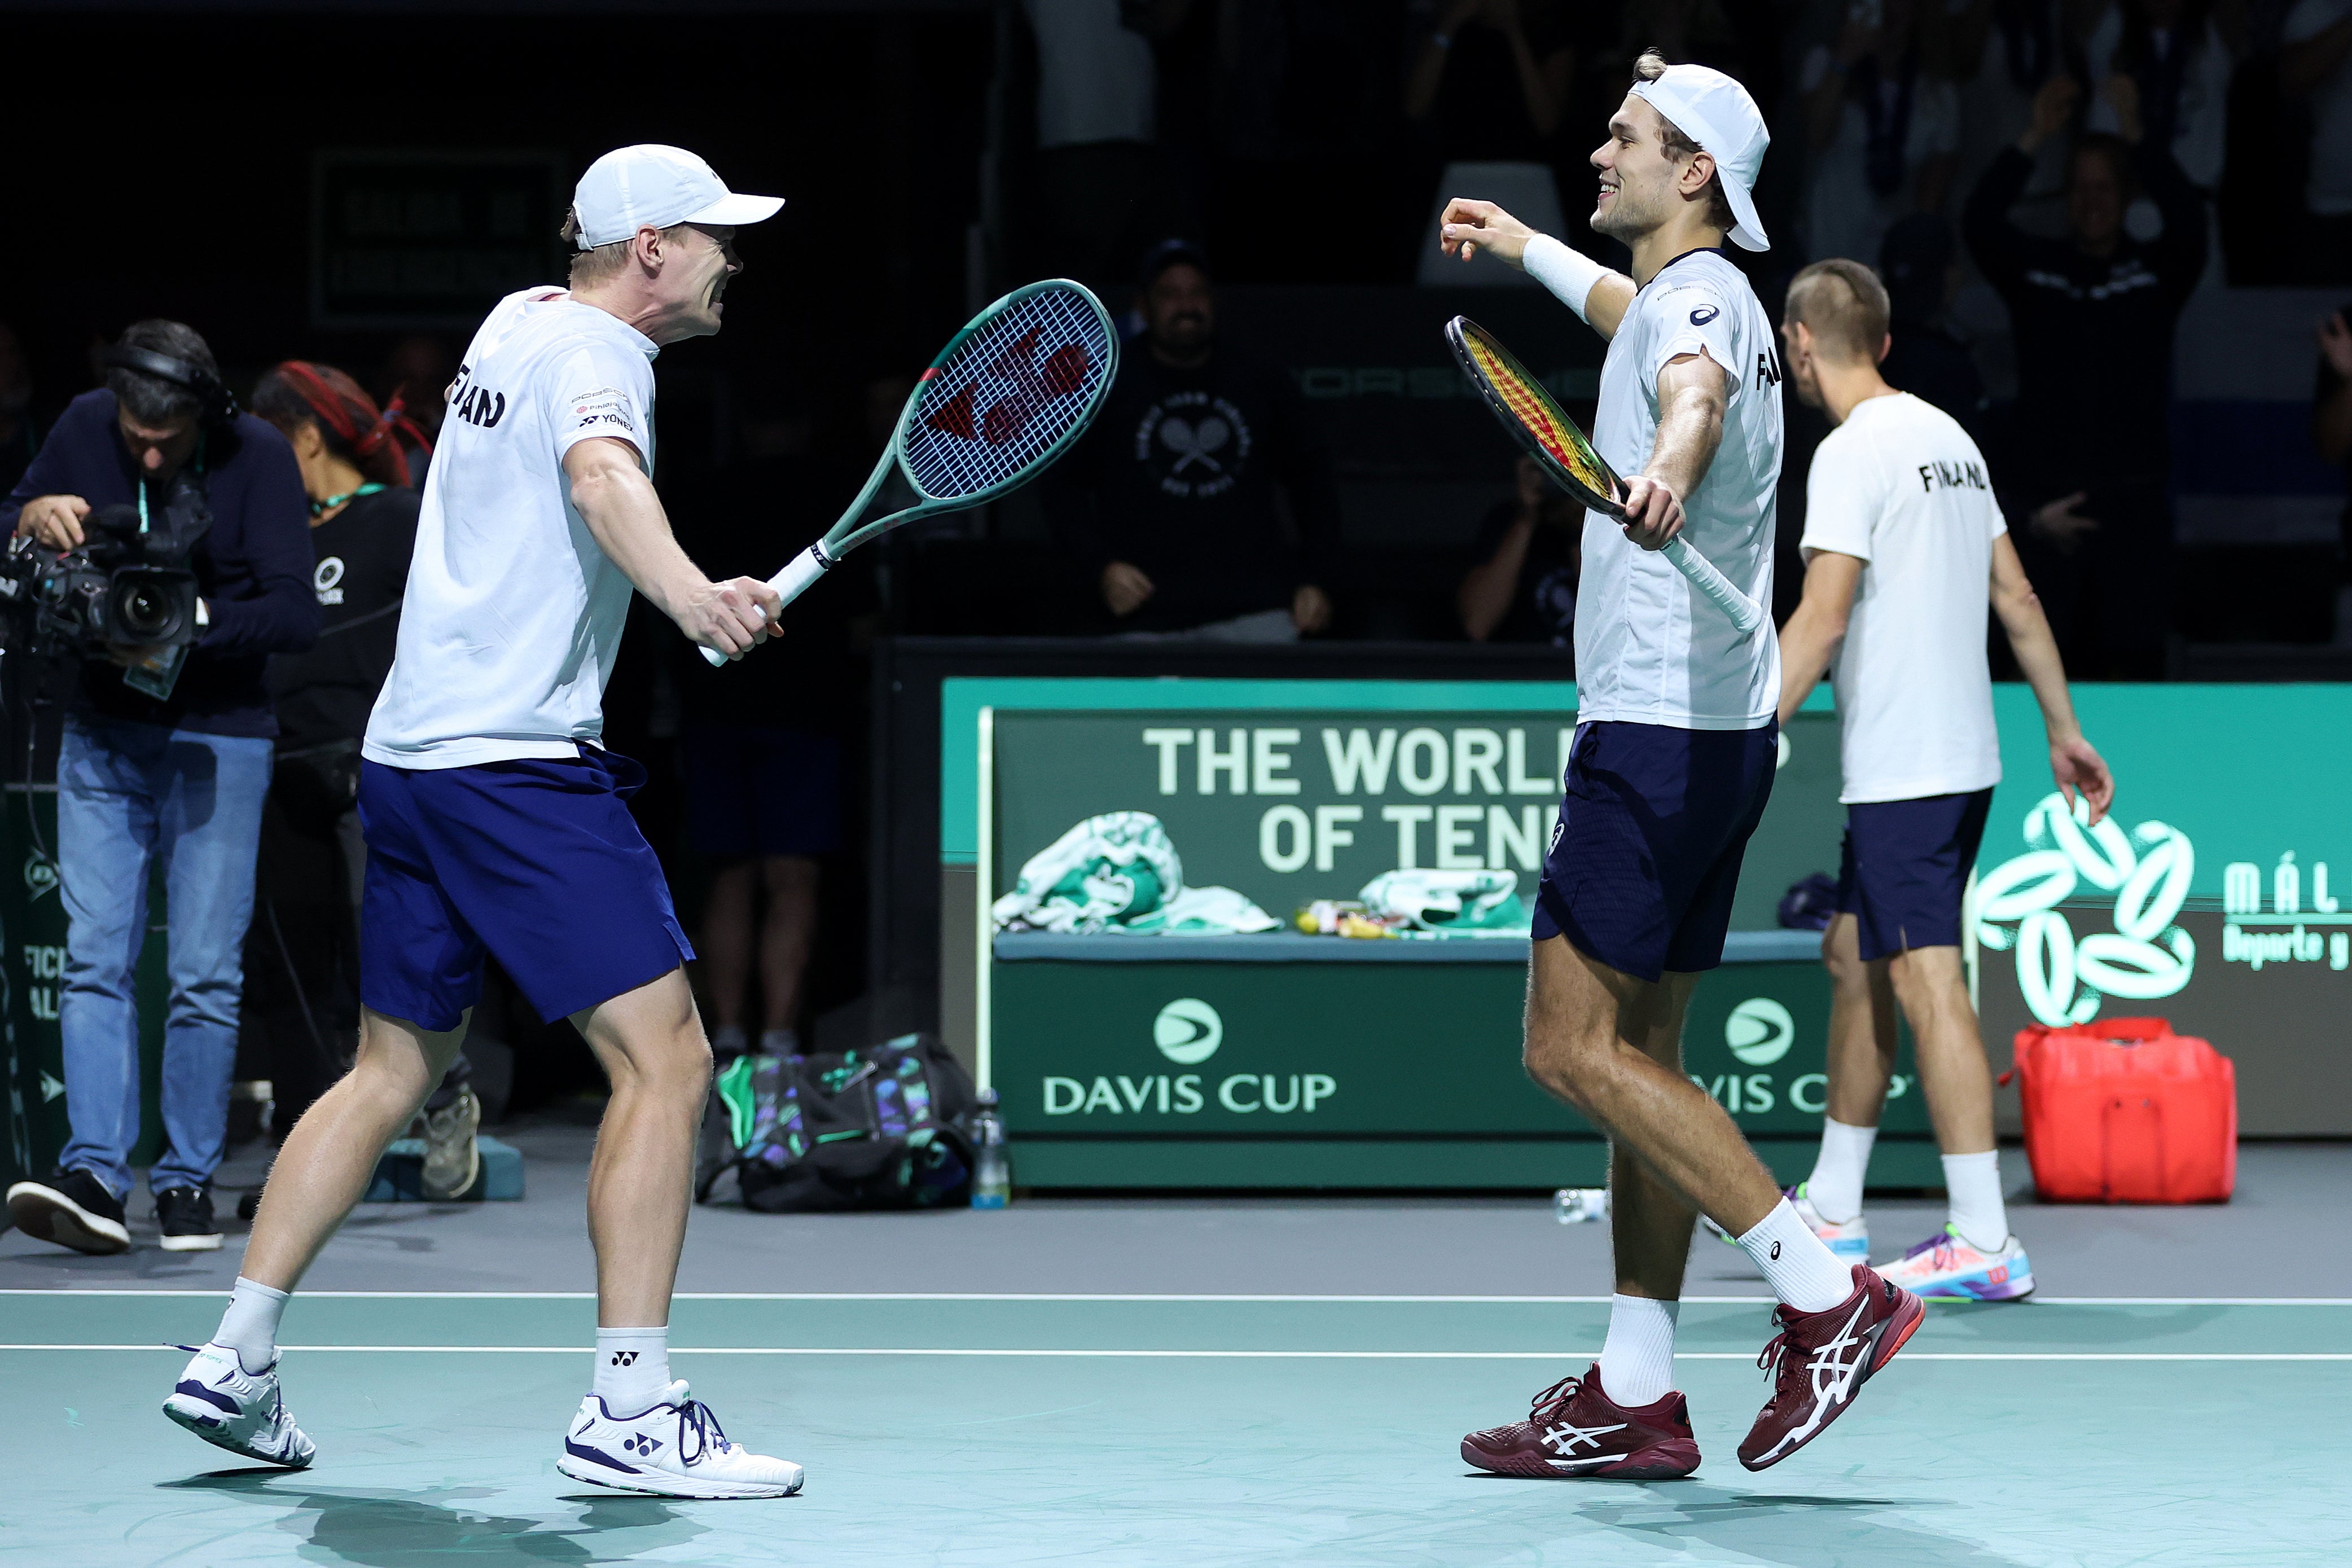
[674, 1449]
[241, 1411]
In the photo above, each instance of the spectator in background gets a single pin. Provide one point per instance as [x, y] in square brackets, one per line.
[2315, 65]
[2180, 56]
[1530, 550]
[1885, 129]
[1490, 77]
[761, 738]
[2093, 315]
[302, 955]
[19, 439]
[1097, 108]
[165, 759]
[1173, 500]
[2331, 432]
[1921, 265]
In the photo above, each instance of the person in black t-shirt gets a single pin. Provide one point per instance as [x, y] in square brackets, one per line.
[1173, 499]
[302, 955]
[2331, 432]
[1522, 588]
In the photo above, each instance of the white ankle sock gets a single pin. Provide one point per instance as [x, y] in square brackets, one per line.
[249, 1327]
[1800, 1269]
[1637, 1359]
[632, 1368]
[1978, 1212]
[1834, 1189]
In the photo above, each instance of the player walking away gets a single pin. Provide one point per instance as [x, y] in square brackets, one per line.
[496, 823]
[1671, 765]
[1901, 533]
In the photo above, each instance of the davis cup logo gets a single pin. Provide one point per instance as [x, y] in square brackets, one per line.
[1759, 1031]
[1187, 1031]
[2144, 958]
[40, 874]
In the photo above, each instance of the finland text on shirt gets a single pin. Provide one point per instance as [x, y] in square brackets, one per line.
[1901, 486]
[1649, 648]
[514, 613]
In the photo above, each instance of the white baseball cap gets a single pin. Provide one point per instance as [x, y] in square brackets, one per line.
[650, 185]
[1715, 112]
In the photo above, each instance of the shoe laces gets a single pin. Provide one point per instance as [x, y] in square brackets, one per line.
[1943, 1250]
[695, 1417]
[1547, 1405]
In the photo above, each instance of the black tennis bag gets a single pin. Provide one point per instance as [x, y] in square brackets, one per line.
[877, 1128]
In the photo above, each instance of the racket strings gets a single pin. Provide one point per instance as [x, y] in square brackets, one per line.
[1007, 394]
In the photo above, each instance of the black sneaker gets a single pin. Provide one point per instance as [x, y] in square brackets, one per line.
[73, 1209]
[185, 1215]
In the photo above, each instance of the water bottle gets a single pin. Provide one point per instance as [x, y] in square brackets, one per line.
[991, 1176]
[1579, 1204]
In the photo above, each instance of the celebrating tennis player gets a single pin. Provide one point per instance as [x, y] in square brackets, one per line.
[497, 824]
[1902, 536]
[1672, 762]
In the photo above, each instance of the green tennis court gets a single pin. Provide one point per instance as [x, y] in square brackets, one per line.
[1155, 1428]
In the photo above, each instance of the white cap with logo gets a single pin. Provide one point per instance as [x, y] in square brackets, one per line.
[1715, 112]
[650, 185]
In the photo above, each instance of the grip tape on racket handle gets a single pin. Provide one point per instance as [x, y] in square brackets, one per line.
[1744, 611]
[790, 584]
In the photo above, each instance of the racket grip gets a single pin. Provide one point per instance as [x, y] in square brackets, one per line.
[790, 584]
[1744, 611]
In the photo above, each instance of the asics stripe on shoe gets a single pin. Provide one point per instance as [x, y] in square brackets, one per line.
[1948, 1266]
[1819, 1361]
[241, 1411]
[1574, 1430]
[673, 1449]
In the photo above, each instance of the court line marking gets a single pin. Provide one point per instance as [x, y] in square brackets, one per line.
[1148, 1296]
[1228, 1354]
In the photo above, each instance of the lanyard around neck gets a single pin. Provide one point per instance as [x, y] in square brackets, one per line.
[319, 508]
[141, 485]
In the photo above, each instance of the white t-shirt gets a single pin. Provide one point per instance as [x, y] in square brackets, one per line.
[1649, 649]
[2329, 191]
[513, 611]
[1096, 76]
[1900, 486]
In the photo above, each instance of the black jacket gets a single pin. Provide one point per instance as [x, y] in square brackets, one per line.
[1183, 475]
[2094, 334]
[253, 566]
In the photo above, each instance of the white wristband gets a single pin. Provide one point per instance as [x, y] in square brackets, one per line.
[1568, 274]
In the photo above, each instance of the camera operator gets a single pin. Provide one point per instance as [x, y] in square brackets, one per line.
[301, 997]
[166, 755]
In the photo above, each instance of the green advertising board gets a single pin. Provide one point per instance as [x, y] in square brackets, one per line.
[2207, 897]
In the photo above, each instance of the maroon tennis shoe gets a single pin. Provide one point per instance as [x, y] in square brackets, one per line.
[1575, 1429]
[1820, 1361]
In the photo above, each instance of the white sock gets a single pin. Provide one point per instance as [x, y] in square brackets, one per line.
[1802, 1270]
[1637, 1359]
[1978, 1212]
[632, 1368]
[1834, 1189]
[249, 1327]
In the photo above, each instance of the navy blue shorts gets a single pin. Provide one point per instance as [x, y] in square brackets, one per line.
[761, 789]
[1645, 858]
[1904, 867]
[536, 862]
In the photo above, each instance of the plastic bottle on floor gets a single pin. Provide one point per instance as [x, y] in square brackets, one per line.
[991, 1176]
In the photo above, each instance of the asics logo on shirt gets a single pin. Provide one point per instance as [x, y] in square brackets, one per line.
[1703, 315]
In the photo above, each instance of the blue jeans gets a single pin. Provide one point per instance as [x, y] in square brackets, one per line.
[128, 793]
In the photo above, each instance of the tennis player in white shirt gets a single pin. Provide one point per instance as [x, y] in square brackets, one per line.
[1671, 763]
[1902, 538]
[498, 824]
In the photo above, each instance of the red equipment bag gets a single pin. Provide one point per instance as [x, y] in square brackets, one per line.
[2125, 1111]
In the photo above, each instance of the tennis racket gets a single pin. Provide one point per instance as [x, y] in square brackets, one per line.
[1004, 399]
[1551, 438]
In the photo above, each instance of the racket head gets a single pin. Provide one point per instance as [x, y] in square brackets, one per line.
[1534, 417]
[1008, 394]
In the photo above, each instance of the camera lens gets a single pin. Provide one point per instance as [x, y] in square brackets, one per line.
[147, 613]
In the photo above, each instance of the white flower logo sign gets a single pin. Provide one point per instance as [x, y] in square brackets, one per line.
[2145, 956]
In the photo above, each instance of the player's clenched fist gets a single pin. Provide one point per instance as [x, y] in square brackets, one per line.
[1653, 513]
[734, 616]
[1467, 226]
